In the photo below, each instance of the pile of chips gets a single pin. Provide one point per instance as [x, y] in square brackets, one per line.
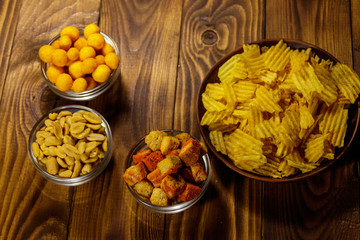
[277, 111]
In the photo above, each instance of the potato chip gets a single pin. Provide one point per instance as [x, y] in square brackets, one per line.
[244, 90]
[346, 80]
[277, 57]
[217, 140]
[211, 104]
[294, 159]
[215, 91]
[265, 101]
[315, 147]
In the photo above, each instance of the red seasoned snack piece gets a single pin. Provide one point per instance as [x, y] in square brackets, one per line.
[172, 185]
[190, 152]
[144, 188]
[190, 192]
[198, 172]
[170, 164]
[186, 174]
[155, 177]
[152, 160]
[174, 152]
[169, 143]
[158, 197]
[141, 155]
[135, 174]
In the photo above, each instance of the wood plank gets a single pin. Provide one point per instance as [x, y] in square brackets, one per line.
[32, 208]
[313, 208]
[211, 29]
[147, 35]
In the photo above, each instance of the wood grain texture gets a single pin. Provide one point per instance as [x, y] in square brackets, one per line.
[309, 209]
[31, 208]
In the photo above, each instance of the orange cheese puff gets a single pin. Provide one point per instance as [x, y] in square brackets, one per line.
[112, 60]
[65, 42]
[64, 82]
[90, 29]
[91, 83]
[56, 44]
[70, 31]
[79, 85]
[101, 73]
[45, 53]
[53, 72]
[96, 40]
[80, 43]
[73, 54]
[100, 59]
[87, 52]
[75, 70]
[59, 57]
[88, 65]
[107, 49]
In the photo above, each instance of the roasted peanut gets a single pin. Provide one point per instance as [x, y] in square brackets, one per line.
[86, 168]
[52, 166]
[95, 137]
[65, 173]
[77, 169]
[92, 118]
[36, 149]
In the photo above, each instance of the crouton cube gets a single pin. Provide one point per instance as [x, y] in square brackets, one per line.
[190, 152]
[174, 152]
[152, 160]
[169, 143]
[154, 138]
[158, 197]
[155, 177]
[198, 172]
[186, 174]
[170, 164]
[172, 185]
[141, 155]
[183, 137]
[190, 192]
[144, 188]
[135, 174]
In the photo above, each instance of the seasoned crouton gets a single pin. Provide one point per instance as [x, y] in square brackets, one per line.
[172, 185]
[190, 152]
[183, 137]
[155, 177]
[169, 143]
[135, 174]
[141, 155]
[186, 173]
[190, 192]
[144, 188]
[158, 197]
[170, 164]
[198, 172]
[174, 152]
[152, 160]
[154, 138]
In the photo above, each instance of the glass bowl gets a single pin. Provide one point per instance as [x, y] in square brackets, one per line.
[212, 77]
[175, 207]
[76, 180]
[89, 94]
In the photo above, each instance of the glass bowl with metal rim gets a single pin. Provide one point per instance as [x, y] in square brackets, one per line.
[97, 158]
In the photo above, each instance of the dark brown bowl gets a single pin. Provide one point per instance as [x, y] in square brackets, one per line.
[211, 77]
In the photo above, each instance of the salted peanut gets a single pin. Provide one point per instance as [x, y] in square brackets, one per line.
[52, 166]
[61, 162]
[40, 141]
[50, 151]
[65, 173]
[70, 161]
[84, 157]
[64, 113]
[95, 137]
[105, 144]
[43, 134]
[77, 118]
[93, 126]
[101, 154]
[69, 140]
[36, 149]
[77, 127]
[70, 150]
[52, 141]
[61, 121]
[92, 118]
[86, 168]
[91, 160]
[90, 146]
[81, 147]
[57, 129]
[66, 128]
[82, 134]
[94, 153]
[77, 169]
[53, 116]
[60, 152]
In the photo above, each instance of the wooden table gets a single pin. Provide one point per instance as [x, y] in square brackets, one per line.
[166, 48]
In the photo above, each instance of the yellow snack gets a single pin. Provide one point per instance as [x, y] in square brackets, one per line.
[59, 57]
[45, 53]
[73, 54]
[100, 59]
[101, 73]
[90, 29]
[107, 49]
[87, 52]
[112, 60]
[80, 43]
[79, 85]
[53, 72]
[75, 70]
[64, 82]
[91, 83]
[65, 42]
[56, 44]
[71, 32]
[96, 40]
[88, 65]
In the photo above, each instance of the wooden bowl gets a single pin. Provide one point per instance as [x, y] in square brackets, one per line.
[211, 77]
